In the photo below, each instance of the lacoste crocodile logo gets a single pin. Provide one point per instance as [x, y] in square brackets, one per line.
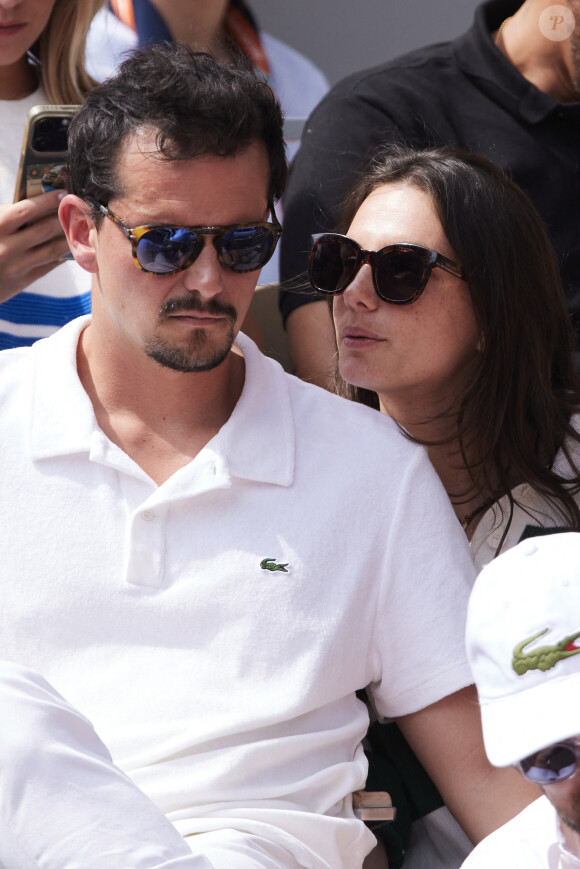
[270, 564]
[544, 657]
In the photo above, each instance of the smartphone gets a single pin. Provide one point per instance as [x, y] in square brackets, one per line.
[44, 151]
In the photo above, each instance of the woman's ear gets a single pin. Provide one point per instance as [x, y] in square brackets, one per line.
[80, 230]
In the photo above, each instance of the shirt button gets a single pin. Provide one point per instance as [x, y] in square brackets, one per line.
[147, 515]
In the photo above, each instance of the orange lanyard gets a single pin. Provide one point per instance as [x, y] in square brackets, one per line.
[240, 29]
[123, 9]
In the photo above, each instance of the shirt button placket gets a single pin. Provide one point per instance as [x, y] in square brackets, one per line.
[145, 556]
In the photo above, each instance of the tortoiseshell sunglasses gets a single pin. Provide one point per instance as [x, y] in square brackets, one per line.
[400, 271]
[163, 249]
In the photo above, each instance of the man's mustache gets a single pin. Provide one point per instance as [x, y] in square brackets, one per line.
[192, 302]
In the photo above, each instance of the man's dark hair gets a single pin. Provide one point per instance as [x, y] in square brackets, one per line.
[515, 413]
[197, 106]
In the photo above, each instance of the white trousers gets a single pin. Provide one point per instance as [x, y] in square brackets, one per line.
[64, 804]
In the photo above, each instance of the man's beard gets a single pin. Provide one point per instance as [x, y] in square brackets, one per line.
[202, 352]
[571, 817]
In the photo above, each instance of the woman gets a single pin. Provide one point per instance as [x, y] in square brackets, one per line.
[41, 61]
[472, 355]
[458, 330]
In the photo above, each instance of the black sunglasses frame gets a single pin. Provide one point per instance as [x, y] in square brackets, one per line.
[136, 233]
[545, 771]
[431, 259]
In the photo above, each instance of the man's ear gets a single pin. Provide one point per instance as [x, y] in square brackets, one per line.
[80, 230]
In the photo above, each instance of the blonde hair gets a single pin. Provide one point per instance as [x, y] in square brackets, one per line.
[61, 51]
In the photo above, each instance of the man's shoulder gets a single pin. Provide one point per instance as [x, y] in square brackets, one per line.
[419, 65]
[14, 363]
[345, 424]
[414, 91]
[316, 411]
[522, 843]
[58, 349]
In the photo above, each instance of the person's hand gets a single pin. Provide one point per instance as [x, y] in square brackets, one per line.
[32, 242]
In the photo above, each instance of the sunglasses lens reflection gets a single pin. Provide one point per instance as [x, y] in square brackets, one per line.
[247, 248]
[167, 249]
[550, 765]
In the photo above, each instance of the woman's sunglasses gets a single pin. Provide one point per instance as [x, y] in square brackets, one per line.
[165, 250]
[553, 764]
[400, 271]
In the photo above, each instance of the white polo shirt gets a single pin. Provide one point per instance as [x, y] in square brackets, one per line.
[215, 628]
[528, 841]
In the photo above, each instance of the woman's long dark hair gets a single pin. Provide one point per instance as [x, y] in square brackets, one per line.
[515, 413]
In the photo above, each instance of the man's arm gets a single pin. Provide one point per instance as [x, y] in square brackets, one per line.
[447, 739]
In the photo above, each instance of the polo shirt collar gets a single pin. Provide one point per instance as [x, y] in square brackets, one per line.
[479, 59]
[63, 419]
[256, 443]
[258, 440]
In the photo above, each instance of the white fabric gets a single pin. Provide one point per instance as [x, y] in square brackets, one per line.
[532, 509]
[529, 841]
[95, 796]
[437, 842]
[297, 82]
[224, 690]
[68, 279]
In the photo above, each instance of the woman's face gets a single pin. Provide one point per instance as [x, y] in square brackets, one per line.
[413, 356]
[21, 23]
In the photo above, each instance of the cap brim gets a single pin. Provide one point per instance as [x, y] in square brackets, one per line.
[522, 723]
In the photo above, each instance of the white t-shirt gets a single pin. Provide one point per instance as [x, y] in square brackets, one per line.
[215, 628]
[533, 511]
[529, 841]
[62, 294]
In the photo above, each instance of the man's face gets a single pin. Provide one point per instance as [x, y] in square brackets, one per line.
[564, 795]
[185, 321]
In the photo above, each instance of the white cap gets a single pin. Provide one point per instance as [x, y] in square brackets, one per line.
[523, 644]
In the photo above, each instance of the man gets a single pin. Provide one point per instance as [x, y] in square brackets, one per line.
[208, 558]
[122, 26]
[523, 641]
[507, 89]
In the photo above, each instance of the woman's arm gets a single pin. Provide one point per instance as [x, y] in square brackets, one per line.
[447, 739]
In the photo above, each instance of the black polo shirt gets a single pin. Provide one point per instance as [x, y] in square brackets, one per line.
[462, 93]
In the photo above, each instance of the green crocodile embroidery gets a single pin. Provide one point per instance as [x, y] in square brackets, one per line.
[545, 657]
[270, 564]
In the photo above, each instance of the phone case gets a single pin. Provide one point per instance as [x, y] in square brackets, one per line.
[44, 151]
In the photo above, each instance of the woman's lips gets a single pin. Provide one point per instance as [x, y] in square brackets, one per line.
[9, 28]
[354, 337]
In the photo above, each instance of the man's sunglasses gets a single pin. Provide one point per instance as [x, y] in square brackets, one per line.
[400, 271]
[162, 249]
[553, 764]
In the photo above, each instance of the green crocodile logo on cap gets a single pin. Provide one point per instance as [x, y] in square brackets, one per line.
[545, 657]
[270, 564]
